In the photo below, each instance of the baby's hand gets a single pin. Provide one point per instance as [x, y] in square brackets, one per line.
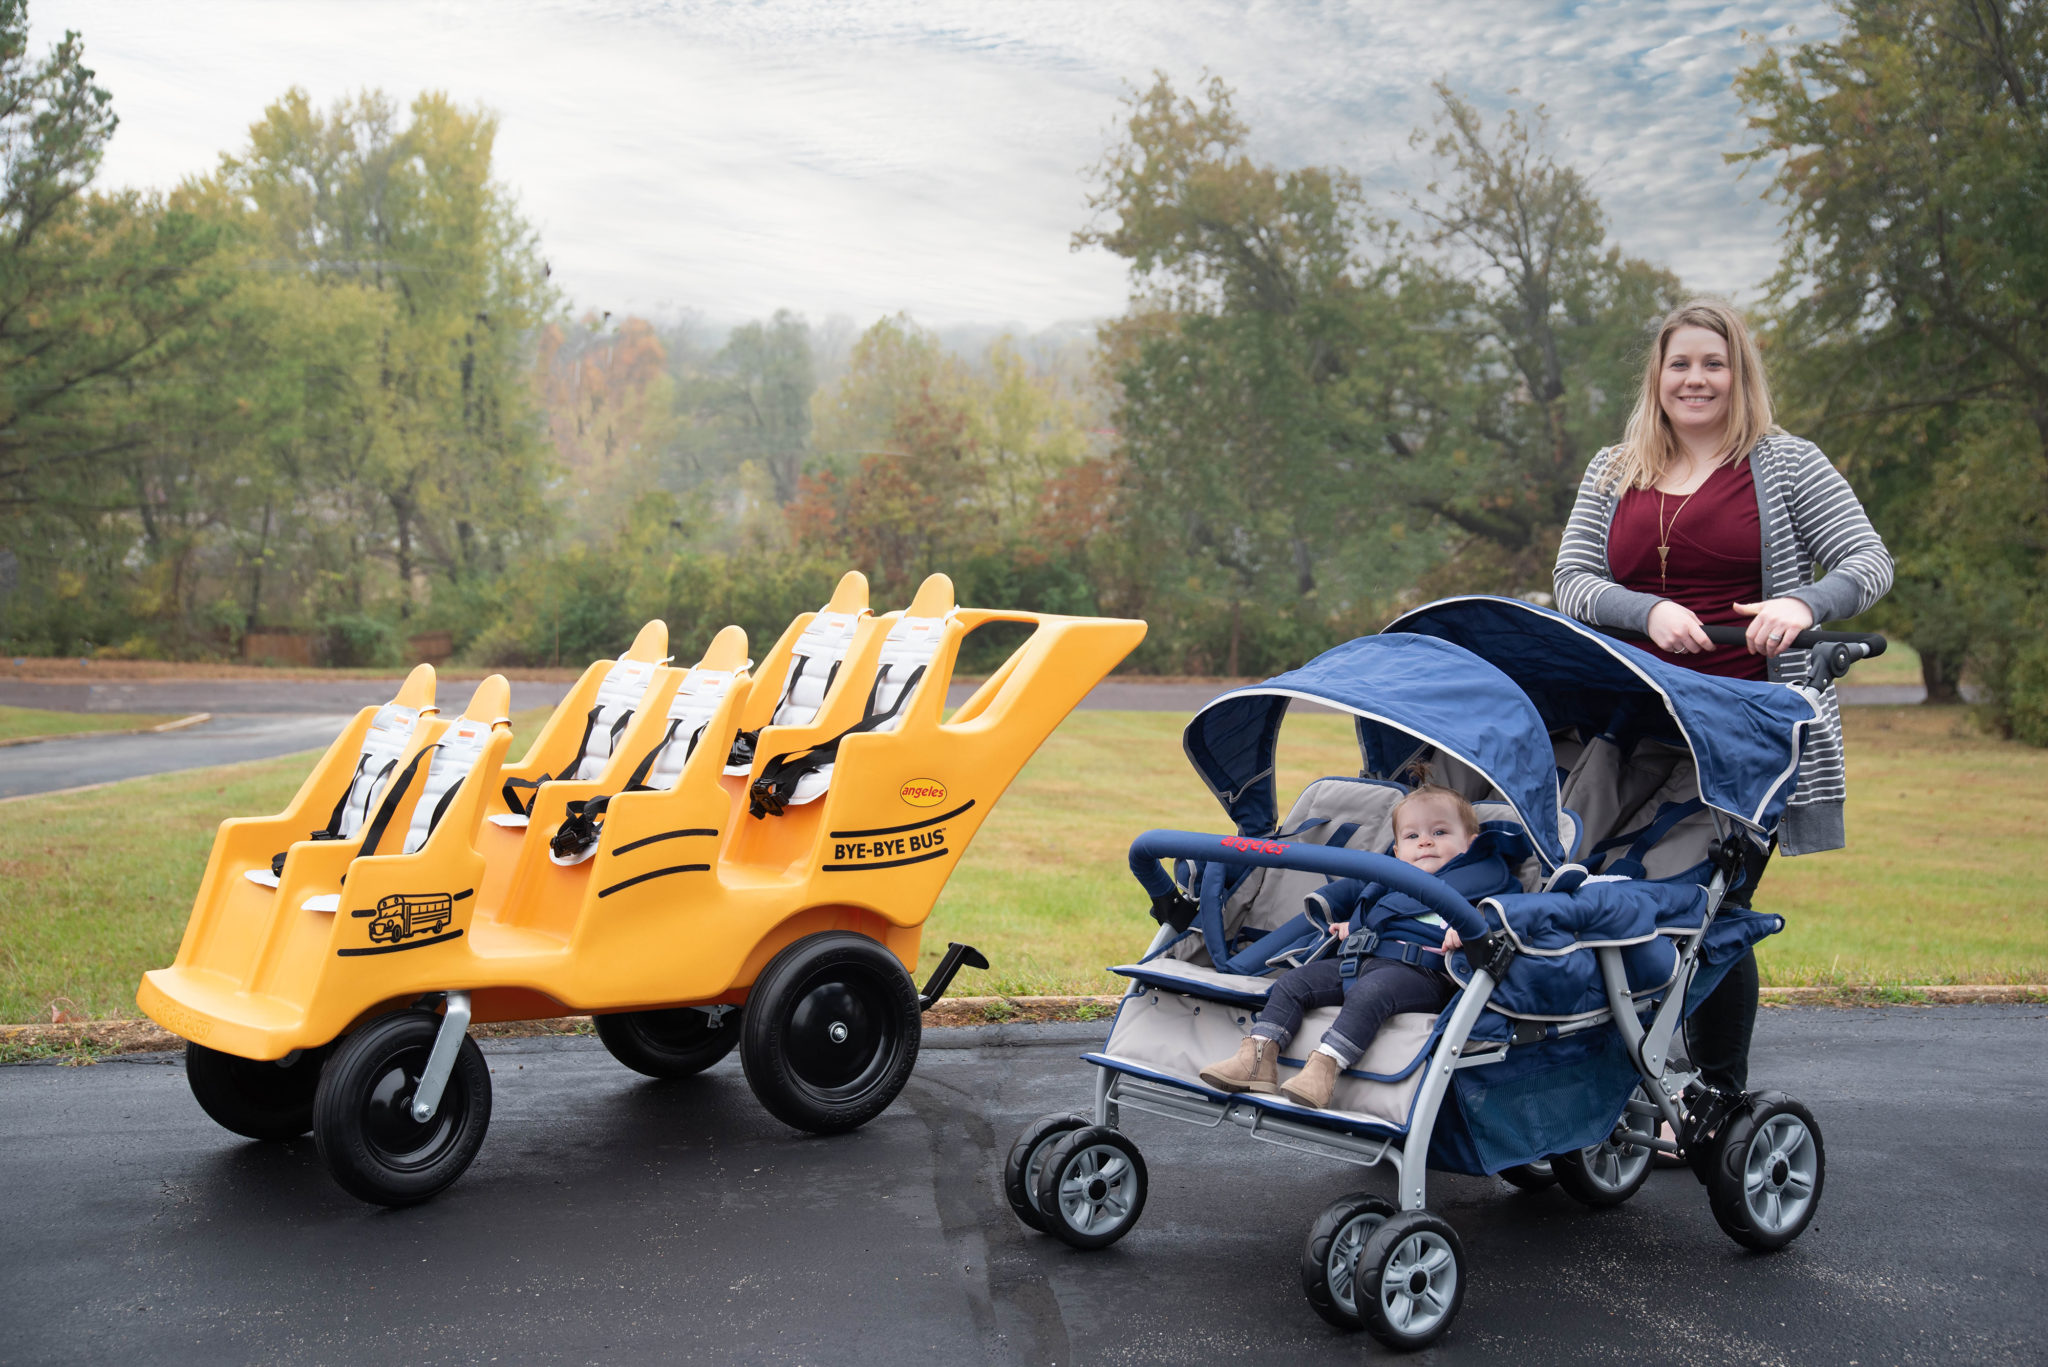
[1451, 940]
[1342, 928]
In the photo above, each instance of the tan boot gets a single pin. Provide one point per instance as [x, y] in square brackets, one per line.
[1255, 1067]
[1311, 1087]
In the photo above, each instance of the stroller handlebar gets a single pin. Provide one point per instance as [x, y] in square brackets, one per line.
[1873, 643]
[1832, 651]
[1151, 847]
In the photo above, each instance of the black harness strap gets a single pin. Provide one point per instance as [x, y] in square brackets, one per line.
[389, 807]
[771, 792]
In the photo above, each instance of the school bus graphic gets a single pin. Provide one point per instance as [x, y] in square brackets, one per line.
[401, 916]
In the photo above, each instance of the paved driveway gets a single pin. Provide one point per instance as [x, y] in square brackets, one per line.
[611, 1219]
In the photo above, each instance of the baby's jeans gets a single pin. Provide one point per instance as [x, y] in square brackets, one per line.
[1383, 988]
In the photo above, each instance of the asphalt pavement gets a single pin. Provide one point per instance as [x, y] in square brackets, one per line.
[613, 1219]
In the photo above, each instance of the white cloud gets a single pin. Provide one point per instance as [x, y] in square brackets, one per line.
[929, 154]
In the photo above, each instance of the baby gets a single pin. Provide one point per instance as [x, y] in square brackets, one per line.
[1396, 966]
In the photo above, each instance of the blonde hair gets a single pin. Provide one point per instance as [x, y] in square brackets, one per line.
[1649, 445]
[1432, 790]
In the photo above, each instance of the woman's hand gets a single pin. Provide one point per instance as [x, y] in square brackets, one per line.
[1776, 623]
[1676, 629]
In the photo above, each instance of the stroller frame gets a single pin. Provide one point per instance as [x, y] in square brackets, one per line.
[1345, 1142]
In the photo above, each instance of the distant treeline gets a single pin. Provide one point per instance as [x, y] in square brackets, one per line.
[330, 386]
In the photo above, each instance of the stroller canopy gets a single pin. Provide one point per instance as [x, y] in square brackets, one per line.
[1407, 692]
[1744, 735]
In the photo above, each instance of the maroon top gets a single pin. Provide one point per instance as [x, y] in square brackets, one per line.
[1715, 561]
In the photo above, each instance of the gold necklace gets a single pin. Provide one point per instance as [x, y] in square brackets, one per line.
[1664, 535]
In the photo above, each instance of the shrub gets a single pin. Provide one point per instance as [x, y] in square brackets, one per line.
[358, 642]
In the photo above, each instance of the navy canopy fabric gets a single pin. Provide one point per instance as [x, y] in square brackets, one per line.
[1744, 735]
[1406, 691]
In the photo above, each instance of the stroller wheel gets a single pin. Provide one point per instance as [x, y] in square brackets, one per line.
[362, 1114]
[1328, 1261]
[255, 1099]
[1091, 1190]
[1410, 1280]
[1538, 1176]
[1027, 1161]
[1767, 1173]
[670, 1044]
[1608, 1173]
[831, 1032]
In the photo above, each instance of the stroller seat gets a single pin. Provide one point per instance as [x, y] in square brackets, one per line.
[617, 698]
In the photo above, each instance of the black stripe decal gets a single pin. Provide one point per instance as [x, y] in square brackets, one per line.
[658, 873]
[898, 830]
[393, 949]
[891, 864]
[665, 835]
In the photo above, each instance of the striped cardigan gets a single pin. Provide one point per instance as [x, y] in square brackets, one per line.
[1810, 517]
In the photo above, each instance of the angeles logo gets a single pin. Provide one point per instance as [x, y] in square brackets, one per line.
[923, 792]
[1238, 842]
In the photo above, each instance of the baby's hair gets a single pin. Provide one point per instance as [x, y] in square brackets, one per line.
[1429, 790]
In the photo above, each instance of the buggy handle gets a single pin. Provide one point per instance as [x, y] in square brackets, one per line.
[1833, 651]
[1151, 847]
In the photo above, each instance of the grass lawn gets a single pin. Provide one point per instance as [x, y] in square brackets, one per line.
[18, 723]
[1945, 884]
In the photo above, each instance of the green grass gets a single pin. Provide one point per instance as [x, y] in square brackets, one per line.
[20, 723]
[1945, 883]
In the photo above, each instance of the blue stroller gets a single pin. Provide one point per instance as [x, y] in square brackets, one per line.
[1649, 796]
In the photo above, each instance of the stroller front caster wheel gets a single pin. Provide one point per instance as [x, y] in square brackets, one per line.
[831, 1033]
[1329, 1260]
[1091, 1189]
[1767, 1172]
[1027, 1160]
[1409, 1280]
[362, 1113]
[670, 1044]
[253, 1098]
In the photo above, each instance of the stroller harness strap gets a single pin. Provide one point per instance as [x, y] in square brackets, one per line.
[1641, 841]
[771, 792]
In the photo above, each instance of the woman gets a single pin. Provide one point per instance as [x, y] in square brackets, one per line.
[1707, 513]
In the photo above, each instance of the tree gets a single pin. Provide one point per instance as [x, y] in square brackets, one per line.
[1911, 154]
[1549, 321]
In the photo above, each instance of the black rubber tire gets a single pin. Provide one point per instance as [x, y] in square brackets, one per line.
[1538, 1176]
[254, 1099]
[1607, 1173]
[1027, 1159]
[1418, 1241]
[1330, 1257]
[1091, 1190]
[1765, 1151]
[367, 1137]
[831, 1032]
[669, 1044]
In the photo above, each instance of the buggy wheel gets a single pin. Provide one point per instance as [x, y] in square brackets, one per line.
[831, 1032]
[1611, 1171]
[1767, 1172]
[1091, 1190]
[670, 1044]
[1027, 1161]
[1331, 1255]
[1537, 1176]
[1410, 1280]
[254, 1098]
[362, 1114]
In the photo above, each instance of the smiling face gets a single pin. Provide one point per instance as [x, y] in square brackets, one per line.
[1695, 383]
[1430, 831]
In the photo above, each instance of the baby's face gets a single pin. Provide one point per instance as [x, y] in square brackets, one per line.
[1430, 833]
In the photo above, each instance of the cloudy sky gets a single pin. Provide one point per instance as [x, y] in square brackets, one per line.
[858, 157]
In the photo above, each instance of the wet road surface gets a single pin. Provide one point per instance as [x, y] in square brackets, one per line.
[612, 1219]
